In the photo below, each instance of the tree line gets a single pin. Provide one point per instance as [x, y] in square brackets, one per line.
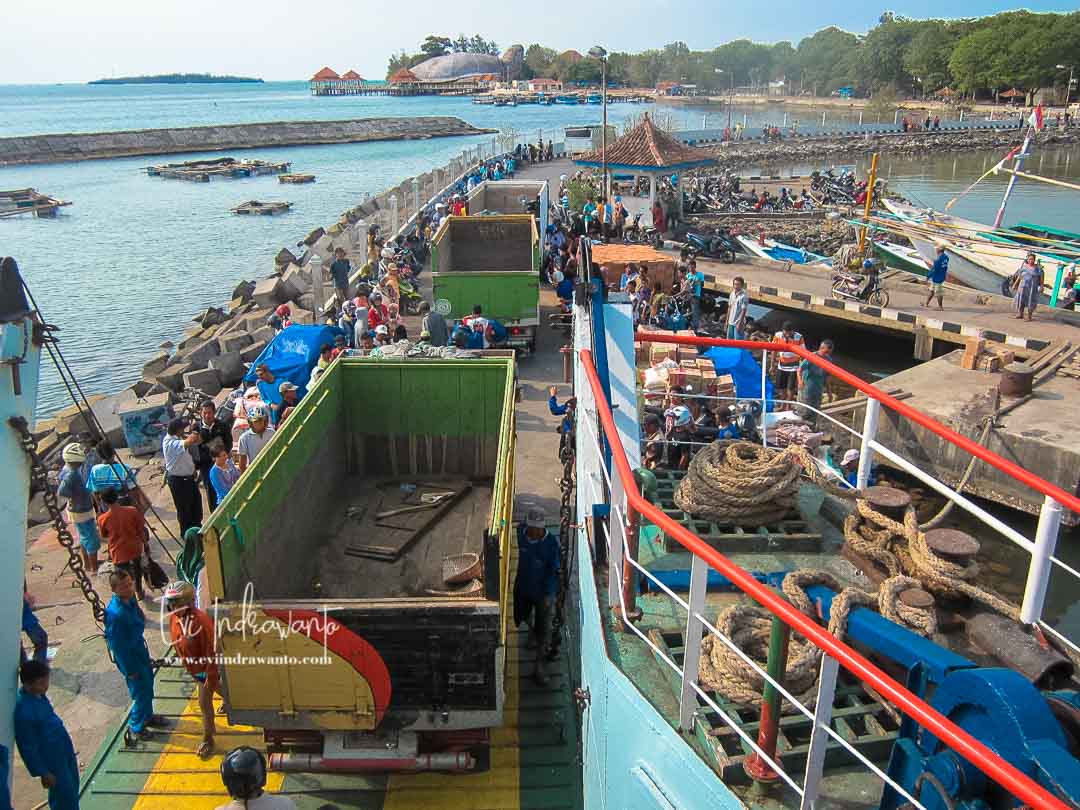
[433, 46]
[976, 57]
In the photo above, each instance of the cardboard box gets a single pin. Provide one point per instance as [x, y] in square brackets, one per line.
[658, 352]
[706, 365]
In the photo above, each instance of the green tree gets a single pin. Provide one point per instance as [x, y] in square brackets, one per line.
[882, 52]
[928, 55]
[827, 60]
[435, 46]
[539, 59]
[461, 44]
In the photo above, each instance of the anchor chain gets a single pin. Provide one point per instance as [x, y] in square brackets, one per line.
[566, 487]
[39, 478]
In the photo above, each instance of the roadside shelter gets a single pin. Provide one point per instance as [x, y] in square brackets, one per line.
[650, 152]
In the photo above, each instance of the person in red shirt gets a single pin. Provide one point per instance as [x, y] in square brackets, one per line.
[377, 311]
[192, 634]
[124, 529]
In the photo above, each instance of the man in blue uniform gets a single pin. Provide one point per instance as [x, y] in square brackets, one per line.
[936, 277]
[536, 583]
[125, 623]
[43, 742]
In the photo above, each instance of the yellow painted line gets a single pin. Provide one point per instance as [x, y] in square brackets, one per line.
[184, 739]
[501, 785]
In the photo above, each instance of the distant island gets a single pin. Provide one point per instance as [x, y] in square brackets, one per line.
[179, 78]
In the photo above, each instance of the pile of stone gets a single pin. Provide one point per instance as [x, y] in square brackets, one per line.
[823, 236]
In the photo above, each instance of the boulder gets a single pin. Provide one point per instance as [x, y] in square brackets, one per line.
[254, 320]
[70, 420]
[141, 388]
[306, 301]
[284, 257]
[244, 291]
[313, 237]
[37, 514]
[249, 354]
[206, 381]
[172, 378]
[262, 335]
[106, 411]
[156, 364]
[198, 355]
[294, 282]
[212, 316]
[304, 316]
[157, 389]
[233, 342]
[303, 271]
[238, 306]
[192, 336]
[42, 428]
[229, 366]
[268, 293]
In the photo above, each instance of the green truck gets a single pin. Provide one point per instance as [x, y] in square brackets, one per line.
[493, 261]
[360, 568]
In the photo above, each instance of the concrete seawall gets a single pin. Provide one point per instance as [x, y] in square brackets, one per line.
[26, 149]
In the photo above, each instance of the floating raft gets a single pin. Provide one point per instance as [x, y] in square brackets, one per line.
[257, 207]
[29, 201]
[200, 171]
[296, 178]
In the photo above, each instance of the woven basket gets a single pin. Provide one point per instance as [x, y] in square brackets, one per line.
[473, 588]
[460, 568]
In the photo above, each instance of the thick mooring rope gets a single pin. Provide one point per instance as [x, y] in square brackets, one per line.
[733, 481]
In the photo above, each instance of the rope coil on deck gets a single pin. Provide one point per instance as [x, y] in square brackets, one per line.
[733, 481]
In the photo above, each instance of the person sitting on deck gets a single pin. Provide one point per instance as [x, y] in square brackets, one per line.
[192, 634]
[536, 584]
[243, 772]
[44, 744]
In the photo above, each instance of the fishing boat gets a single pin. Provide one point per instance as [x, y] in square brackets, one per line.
[29, 201]
[567, 99]
[593, 98]
[265, 208]
[901, 257]
[778, 251]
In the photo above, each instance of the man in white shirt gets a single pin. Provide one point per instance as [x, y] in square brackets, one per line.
[738, 302]
[180, 473]
[254, 439]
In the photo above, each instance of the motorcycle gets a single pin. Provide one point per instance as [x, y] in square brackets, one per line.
[637, 234]
[719, 245]
[864, 289]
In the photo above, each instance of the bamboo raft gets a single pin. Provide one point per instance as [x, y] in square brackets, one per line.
[29, 201]
[200, 171]
[296, 178]
[266, 208]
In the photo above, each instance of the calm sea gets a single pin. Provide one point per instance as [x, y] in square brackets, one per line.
[127, 266]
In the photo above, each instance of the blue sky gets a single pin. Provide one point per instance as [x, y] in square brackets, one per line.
[76, 40]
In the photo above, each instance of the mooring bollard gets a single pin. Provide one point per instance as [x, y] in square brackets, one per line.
[755, 765]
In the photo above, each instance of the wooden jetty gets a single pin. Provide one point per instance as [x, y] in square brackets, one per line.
[265, 208]
[29, 201]
[296, 178]
[200, 171]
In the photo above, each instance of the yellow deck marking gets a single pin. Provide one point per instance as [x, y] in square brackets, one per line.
[172, 784]
[500, 786]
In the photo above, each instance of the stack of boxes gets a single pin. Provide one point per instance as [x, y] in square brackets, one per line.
[977, 358]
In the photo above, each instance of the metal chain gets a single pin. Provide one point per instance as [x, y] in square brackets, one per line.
[566, 485]
[39, 478]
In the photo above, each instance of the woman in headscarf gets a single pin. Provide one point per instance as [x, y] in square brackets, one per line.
[1028, 286]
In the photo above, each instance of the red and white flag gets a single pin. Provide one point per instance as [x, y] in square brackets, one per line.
[1036, 118]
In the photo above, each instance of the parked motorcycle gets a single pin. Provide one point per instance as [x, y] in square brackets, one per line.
[637, 234]
[717, 245]
[863, 288]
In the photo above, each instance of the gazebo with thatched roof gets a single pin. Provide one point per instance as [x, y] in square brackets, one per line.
[648, 151]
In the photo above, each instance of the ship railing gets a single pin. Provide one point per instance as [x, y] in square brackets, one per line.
[628, 506]
[1055, 499]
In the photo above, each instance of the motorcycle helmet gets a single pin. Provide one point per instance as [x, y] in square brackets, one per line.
[73, 453]
[178, 594]
[258, 412]
[243, 772]
[680, 415]
[867, 264]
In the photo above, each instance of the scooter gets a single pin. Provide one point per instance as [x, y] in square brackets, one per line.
[720, 245]
[864, 289]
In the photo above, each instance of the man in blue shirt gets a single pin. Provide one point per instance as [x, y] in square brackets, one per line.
[535, 584]
[269, 391]
[937, 275]
[44, 744]
[125, 624]
[339, 271]
[695, 279]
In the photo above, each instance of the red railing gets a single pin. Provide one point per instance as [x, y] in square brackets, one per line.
[1003, 465]
[997, 769]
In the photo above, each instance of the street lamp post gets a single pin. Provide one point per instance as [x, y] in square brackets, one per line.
[599, 53]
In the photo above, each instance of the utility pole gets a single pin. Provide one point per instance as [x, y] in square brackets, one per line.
[599, 53]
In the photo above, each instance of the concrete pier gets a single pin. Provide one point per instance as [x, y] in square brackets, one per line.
[24, 149]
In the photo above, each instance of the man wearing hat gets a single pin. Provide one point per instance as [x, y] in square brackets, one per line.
[254, 439]
[80, 504]
[289, 400]
[536, 584]
[849, 466]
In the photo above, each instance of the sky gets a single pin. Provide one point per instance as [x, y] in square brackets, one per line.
[76, 40]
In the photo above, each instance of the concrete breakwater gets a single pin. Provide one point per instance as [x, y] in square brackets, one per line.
[738, 153]
[27, 149]
[216, 351]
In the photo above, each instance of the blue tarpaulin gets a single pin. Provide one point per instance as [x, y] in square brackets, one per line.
[745, 371]
[293, 353]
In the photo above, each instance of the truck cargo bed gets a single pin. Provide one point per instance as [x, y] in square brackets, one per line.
[364, 556]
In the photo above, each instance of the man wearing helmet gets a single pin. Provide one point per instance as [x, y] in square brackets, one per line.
[243, 772]
[536, 583]
[80, 504]
[254, 439]
[192, 634]
[679, 424]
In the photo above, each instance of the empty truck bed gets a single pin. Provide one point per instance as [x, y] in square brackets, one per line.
[366, 555]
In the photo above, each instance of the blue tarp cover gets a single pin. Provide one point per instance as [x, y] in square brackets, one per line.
[293, 353]
[745, 371]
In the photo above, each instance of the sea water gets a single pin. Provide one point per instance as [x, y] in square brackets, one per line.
[134, 258]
